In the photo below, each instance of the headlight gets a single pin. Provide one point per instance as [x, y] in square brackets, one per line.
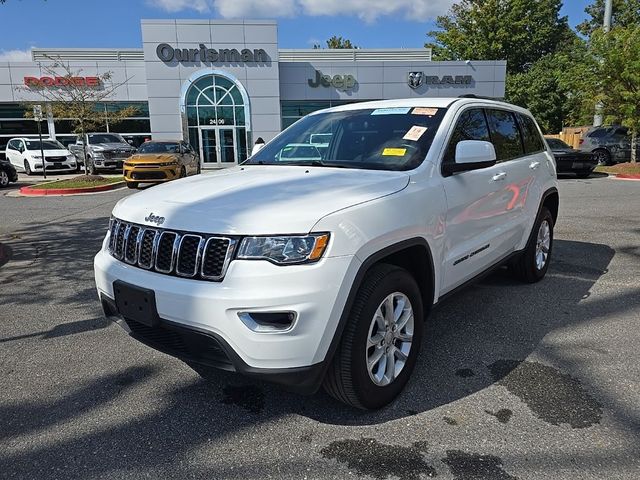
[168, 164]
[97, 149]
[36, 156]
[284, 250]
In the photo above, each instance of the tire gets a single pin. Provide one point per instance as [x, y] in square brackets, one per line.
[132, 184]
[602, 156]
[348, 378]
[528, 266]
[586, 174]
[27, 168]
[4, 179]
[183, 172]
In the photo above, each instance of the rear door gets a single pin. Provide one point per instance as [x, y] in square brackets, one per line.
[479, 221]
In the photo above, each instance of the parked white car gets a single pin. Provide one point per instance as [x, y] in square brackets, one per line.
[321, 271]
[26, 155]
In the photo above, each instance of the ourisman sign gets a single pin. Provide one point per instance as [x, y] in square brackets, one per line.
[167, 53]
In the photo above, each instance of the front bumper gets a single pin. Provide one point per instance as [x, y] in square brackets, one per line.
[209, 310]
[140, 173]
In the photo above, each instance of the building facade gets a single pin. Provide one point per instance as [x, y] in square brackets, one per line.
[222, 84]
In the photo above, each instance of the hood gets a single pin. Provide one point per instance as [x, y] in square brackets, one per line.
[152, 157]
[54, 152]
[258, 200]
[113, 146]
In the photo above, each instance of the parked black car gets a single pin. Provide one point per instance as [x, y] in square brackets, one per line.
[7, 173]
[569, 160]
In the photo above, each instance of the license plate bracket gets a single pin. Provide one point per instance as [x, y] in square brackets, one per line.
[136, 303]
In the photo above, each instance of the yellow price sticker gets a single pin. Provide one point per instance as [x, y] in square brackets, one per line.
[394, 152]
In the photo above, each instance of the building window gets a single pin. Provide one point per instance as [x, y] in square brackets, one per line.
[292, 110]
[216, 117]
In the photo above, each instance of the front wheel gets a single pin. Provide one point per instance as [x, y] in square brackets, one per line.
[532, 264]
[381, 340]
[585, 174]
[132, 184]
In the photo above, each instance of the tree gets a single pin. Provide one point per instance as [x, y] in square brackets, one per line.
[73, 99]
[519, 31]
[339, 42]
[626, 13]
[612, 77]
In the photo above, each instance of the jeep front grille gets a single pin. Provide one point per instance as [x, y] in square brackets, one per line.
[169, 252]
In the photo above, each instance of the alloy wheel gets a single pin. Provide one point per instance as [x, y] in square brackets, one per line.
[543, 244]
[4, 178]
[389, 339]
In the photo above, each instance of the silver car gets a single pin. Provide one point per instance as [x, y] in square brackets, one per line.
[609, 145]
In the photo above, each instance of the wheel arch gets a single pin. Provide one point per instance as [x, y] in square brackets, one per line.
[402, 254]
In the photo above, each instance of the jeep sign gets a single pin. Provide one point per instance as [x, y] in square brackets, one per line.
[167, 54]
[340, 82]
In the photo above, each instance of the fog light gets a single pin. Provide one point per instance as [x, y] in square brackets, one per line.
[268, 322]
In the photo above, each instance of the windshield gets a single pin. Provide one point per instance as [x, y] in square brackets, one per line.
[159, 147]
[95, 138]
[380, 139]
[554, 143]
[46, 145]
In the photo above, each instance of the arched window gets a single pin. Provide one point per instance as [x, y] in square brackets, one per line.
[217, 112]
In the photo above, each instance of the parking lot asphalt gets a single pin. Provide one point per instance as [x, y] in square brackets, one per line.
[513, 381]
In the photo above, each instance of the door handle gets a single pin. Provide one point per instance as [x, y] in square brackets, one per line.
[534, 165]
[499, 176]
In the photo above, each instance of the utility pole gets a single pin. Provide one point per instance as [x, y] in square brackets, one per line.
[37, 115]
[606, 26]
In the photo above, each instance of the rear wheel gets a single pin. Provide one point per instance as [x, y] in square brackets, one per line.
[4, 178]
[532, 264]
[602, 156]
[132, 184]
[380, 342]
[27, 168]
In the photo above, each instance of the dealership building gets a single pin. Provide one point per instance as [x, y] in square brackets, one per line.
[222, 84]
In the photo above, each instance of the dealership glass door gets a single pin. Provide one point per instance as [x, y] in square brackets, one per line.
[218, 146]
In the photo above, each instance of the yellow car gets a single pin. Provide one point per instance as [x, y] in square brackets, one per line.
[157, 162]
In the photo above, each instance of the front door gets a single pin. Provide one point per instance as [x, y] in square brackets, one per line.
[218, 147]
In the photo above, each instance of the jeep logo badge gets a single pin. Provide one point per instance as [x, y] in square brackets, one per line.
[415, 79]
[154, 219]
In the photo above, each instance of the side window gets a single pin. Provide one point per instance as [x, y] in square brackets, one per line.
[505, 135]
[530, 136]
[12, 145]
[471, 125]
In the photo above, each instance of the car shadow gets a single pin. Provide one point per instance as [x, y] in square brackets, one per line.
[593, 176]
[496, 321]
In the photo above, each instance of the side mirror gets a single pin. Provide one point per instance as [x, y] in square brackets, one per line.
[471, 155]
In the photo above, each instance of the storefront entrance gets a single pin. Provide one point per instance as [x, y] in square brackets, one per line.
[218, 147]
[216, 107]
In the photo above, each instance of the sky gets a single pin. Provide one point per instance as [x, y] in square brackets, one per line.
[301, 23]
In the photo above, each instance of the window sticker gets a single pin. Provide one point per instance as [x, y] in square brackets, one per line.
[424, 111]
[394, 152]
[391, 111]
[414, 133]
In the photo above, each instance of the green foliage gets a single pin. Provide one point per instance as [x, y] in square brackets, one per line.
[339, 42]
[616, 74]
[626, 13]
[519, 31]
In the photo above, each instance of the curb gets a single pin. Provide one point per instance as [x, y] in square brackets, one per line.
[34, 191]
[628, 176]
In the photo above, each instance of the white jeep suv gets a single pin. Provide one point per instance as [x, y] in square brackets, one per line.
[321, 271]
